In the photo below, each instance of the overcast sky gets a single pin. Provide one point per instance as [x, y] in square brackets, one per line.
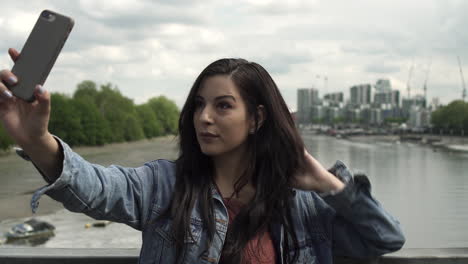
[151, 48]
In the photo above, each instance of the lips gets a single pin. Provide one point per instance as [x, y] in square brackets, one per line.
[208, 135]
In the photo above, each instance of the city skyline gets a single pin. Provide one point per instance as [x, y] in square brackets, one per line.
[151, 48]
[372, 93]
[367, 104]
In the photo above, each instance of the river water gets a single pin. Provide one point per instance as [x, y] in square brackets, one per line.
[426, 190]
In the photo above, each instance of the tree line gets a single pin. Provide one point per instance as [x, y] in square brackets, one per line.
[97, 116]
[453, 116]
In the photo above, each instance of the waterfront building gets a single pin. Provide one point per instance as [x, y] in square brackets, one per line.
[383, 86]
[331, 114]
[334, 97]
[360, 94]
[435, 104]
[419, 117]
[306, 98]
[376, 116]
[409, 103]
[317, 114]
[387, 97]
[353, 115]
[365, 115]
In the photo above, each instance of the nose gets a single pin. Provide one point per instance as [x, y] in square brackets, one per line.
[206, 115]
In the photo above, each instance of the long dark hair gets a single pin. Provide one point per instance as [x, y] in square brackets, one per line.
[276, 153]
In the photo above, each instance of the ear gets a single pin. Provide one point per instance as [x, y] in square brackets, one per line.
[261, 119]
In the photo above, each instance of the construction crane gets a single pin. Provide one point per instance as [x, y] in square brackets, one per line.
[427, 77]
[409, 79]
[462, 79]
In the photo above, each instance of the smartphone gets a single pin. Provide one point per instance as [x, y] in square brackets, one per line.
[40, 52]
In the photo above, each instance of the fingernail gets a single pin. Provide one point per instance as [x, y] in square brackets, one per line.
[40, 88]
[7, 93]
[12, 80]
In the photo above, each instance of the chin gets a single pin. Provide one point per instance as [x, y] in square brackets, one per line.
[210, 151]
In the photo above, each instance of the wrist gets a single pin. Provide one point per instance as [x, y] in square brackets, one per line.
[45, 143]
[46, 154]
[333, 185]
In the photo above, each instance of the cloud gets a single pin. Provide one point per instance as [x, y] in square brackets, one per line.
[381, 67]
[149, 48]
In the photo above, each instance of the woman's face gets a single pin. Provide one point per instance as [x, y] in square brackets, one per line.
[221, 119]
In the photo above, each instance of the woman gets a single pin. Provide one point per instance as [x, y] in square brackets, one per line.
[243, 189]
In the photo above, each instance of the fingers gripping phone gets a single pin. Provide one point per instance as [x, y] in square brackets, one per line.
[40, 52]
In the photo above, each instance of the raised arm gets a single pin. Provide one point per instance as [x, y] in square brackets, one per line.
[114, 193]
[360, 226]
[356, 223]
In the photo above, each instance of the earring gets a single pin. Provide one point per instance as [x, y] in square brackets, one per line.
[252, 131]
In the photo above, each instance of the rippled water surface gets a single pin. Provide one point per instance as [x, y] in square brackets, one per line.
[426, 190]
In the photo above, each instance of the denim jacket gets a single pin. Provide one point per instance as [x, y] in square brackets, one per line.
[349, 223]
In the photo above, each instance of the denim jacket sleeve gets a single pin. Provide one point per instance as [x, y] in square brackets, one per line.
[113, 193]
[361, 227]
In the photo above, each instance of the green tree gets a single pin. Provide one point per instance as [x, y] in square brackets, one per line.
[465, 119]
[132, 129]
[86, 90]
[95, 128]
[318, 120]
[453, 116]
[398, 120]
[65, 120]
[436, 118]
[166, 112]
[5, 140]
[338, 120]
[147, 118]
[116, 109]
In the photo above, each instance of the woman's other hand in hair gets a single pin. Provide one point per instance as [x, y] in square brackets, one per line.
[316, 178]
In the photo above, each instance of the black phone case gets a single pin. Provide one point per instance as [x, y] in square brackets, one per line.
[40, 52]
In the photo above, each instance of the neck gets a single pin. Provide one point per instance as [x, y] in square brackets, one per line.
[229, 168]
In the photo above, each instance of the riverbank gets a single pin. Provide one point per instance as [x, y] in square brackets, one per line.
[449, 143]
[20, 178]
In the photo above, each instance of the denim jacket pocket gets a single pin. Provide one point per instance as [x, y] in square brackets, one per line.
[311, 247]
[161, 247]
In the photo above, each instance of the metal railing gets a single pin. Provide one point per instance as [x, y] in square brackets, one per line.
[130, 256]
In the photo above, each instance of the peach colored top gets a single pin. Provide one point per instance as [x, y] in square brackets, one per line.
[260, 249]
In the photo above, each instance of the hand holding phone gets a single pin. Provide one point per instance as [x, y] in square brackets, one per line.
[39, 53]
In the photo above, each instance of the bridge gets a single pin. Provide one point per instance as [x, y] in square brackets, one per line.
[130, 256]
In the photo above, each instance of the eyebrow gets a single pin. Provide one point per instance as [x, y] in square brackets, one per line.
[218, 97]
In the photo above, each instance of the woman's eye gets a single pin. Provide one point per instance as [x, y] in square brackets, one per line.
[198, 104]
[223, 105]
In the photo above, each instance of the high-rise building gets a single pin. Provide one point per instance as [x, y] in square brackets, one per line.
[389, 97]
[334, 97]
[382, 86]
[306, 98]
[361, 94]
[408, 103]
[419, 117]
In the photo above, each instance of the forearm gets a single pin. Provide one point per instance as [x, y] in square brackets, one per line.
[47, 156]
[362, 228]
[328, 182]
[334, 185]
[113, 193]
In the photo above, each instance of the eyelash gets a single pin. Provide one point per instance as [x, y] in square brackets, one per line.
[198, 104]
[220, 105]
[224, 105]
